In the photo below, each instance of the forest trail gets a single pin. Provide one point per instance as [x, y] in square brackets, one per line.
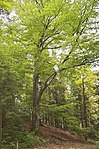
[60, 138]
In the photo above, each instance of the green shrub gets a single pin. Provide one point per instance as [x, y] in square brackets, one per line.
[24, 139]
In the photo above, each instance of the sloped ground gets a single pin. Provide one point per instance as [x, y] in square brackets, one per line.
[60, 138]
[57, 135]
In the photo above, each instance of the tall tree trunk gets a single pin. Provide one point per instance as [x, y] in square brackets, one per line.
[84, 106]
[37, 93]
[56, 122]
[0, 122]
[36, 100]
[81, 110]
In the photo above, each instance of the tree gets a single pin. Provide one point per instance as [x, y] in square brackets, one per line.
[43, 28]
[83, 88]
[0, 122]
[4, 5]
[52, 101]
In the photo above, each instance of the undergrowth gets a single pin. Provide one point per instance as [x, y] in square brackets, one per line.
[23, 140]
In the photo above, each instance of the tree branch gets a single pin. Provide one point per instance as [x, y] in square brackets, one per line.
[53, 75]
[47, 83]
[67, 57]
[55, 47]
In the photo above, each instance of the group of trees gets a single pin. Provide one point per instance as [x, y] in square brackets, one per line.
[47, 50]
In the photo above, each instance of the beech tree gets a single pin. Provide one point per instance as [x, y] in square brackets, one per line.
[4, 6]
[49, 37]
[83, 89]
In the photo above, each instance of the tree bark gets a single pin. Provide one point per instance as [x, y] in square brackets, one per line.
[0, 122]
[81, 110]
[36, 100]
[84, 106]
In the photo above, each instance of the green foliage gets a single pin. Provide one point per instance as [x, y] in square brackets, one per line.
[24, 139]
[4, 4]
[42, 35]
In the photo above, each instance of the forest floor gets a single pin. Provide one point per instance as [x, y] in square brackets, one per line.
[60, 139]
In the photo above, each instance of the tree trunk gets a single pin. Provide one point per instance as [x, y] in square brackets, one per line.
[56, 123]
[36, 115]
[84, 107]
[37, 93]
[36, 100]
[0, 122]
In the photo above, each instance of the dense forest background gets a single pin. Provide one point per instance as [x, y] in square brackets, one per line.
[49, 52]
